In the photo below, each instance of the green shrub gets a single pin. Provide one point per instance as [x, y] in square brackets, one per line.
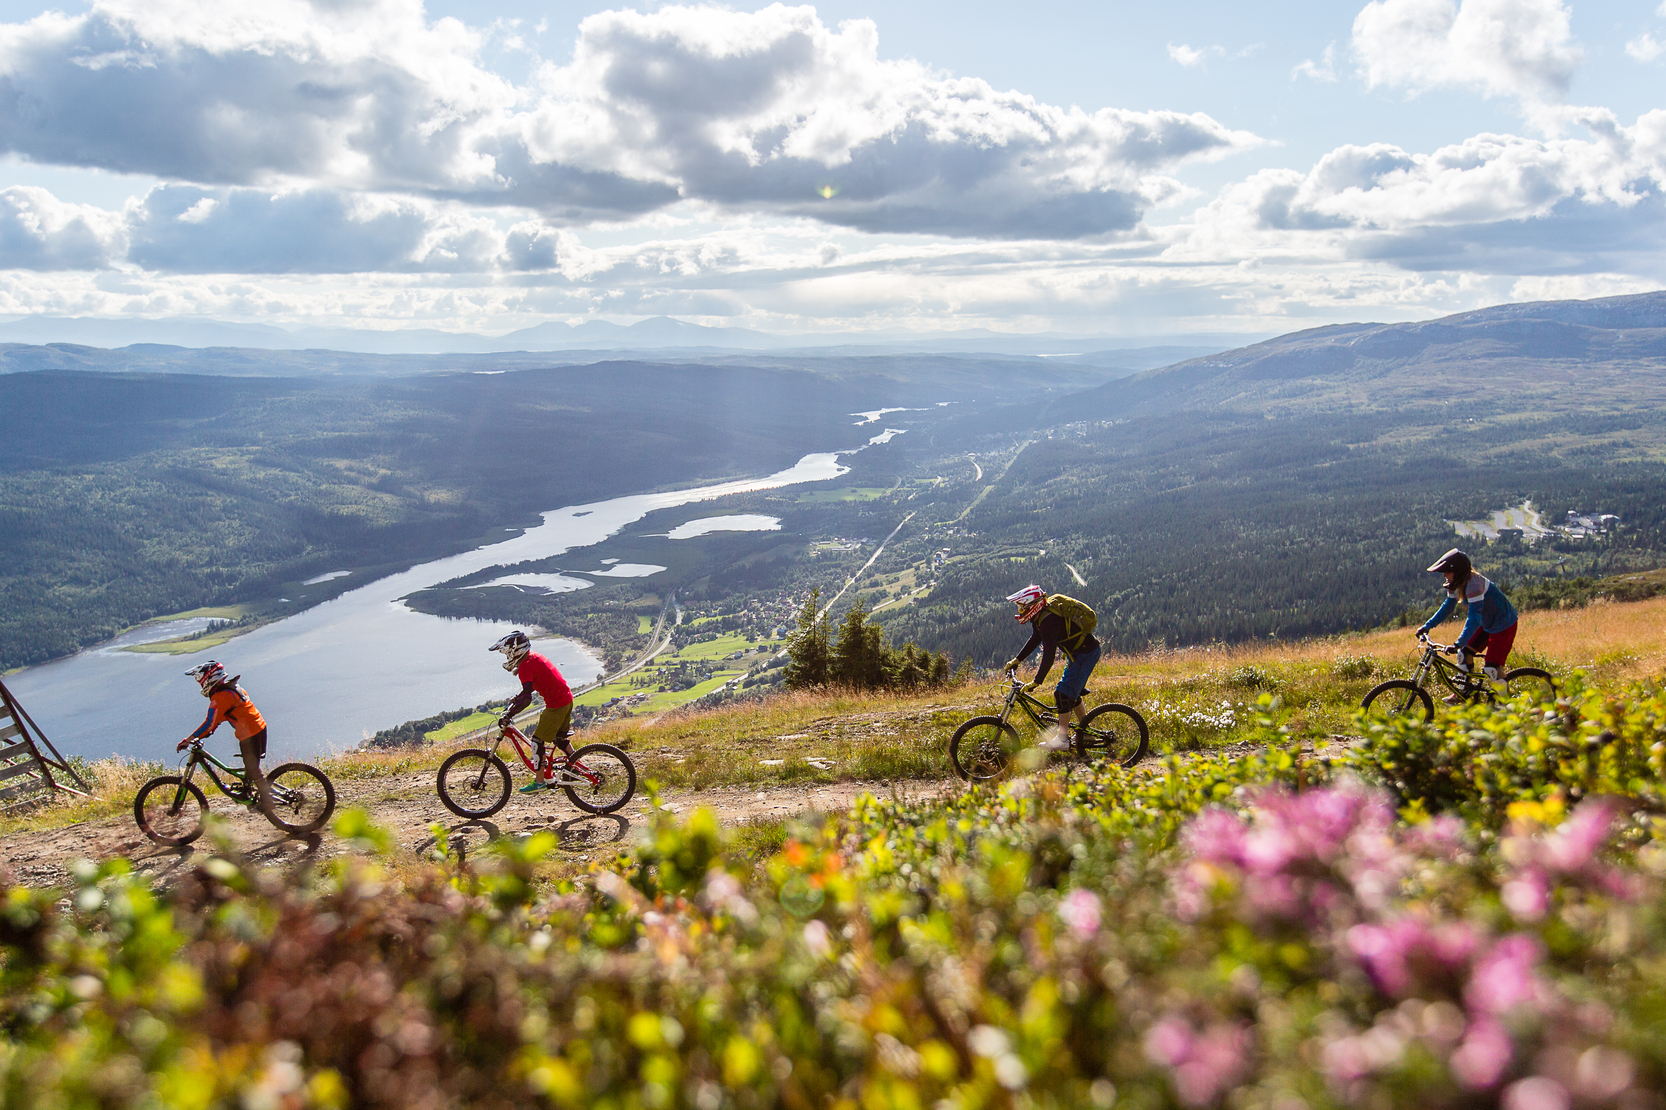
[1241, 932]
[1478, 760]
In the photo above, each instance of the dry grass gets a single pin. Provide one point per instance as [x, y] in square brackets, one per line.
[115, 782]
[1192, 698]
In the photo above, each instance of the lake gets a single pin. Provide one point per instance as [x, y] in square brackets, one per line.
[328, 678]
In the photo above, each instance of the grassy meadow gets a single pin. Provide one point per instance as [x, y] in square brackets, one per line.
[1194, 699]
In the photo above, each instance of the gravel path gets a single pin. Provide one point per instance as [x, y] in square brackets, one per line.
[408, 806]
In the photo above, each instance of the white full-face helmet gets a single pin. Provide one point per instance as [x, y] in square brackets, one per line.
[208, 676]
[515, 647]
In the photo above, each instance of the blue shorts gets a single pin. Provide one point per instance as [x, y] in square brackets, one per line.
[1074, 680]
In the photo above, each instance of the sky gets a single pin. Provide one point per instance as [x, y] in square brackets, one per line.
[1088, 167]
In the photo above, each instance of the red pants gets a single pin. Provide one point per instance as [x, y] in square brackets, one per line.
[1496, 646]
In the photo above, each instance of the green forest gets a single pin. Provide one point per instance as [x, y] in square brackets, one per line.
[128, 496]
[1294, 488]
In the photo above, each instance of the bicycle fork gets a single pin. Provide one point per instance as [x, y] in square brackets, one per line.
[184, 789]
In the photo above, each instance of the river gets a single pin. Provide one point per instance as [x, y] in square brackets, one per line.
[329, 677]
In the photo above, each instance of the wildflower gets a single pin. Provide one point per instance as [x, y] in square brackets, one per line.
[1504, 978]
[1205, 1065]
[1537, 1093]
[1080, 910]
[817, 939]
[1480, 1061]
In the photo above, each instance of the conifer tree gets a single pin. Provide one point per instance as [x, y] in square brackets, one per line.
[859, 653]
[910, 674]
[808, 655]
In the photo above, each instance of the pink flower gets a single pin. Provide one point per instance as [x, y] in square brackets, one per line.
[818, 939]
[1080, 911]
[1575, 842]
[1504, 977]
[1215, 835]
[1169, 1042]
[1527, 896]
[1536, 1093]
[1480, 1061]
[1205, 1065]
[1406, 956]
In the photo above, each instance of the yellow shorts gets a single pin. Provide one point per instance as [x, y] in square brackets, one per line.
[553, 724]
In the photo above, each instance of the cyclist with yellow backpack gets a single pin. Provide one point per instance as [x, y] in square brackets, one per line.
[1058, 623]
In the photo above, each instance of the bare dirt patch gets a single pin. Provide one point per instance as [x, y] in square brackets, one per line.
[408, 806]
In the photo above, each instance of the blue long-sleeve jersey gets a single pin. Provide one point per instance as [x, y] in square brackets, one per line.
[1487, 609]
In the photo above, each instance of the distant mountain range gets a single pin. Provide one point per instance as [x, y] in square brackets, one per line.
[662, 333]
[1555, 355]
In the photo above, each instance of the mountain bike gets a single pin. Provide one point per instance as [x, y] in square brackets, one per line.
[170, 808]
[1401, 696]
[474, 782]
[982, 748]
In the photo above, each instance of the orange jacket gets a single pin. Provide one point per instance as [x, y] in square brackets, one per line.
[230, 703]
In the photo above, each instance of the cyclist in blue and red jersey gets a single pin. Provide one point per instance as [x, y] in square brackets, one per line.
[538, 676]
[1489, 618]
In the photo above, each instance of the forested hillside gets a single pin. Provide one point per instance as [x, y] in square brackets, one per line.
[1296, 487]
[124, 496]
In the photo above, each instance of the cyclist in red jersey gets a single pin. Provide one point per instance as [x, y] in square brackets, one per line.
[538, 676]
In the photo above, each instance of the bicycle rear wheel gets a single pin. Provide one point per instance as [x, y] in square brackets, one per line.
[609, 778]
[170, 810]
[1398, 697]
[302, 797]
[1530, 680]
[983, 748]
[473, 783]
[1114, 731]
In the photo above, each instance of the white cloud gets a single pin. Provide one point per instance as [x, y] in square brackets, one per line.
[40, 232]
[1492, 204]
[1515, 48]
[1186, 55]
[1322, 70]
[729, 108]
[1645, 47]
[774, 108]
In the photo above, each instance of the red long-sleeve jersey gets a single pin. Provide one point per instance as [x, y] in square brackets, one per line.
[538, 675]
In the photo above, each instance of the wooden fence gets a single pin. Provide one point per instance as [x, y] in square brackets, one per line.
[31, 770]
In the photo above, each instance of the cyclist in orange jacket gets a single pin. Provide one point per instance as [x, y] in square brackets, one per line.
[228, 702]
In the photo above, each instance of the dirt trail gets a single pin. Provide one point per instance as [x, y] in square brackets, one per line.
[408, 806]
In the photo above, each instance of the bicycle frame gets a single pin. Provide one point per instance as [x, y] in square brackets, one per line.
[1434, 663]
[202, 757]
[1036, 710]
[239, 789]
[569, 775]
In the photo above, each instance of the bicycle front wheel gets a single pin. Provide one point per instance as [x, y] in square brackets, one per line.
[1114, 731]
[1399, 697]
[170, 810]
[609, 778]
[983, 748]
[1530, 680]
[473, 783]
[302, 797]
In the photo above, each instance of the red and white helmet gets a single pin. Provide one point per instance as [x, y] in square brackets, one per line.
[1030, 601]
[208, 676]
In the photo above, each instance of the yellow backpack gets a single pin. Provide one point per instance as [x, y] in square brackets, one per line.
[1079, 615]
